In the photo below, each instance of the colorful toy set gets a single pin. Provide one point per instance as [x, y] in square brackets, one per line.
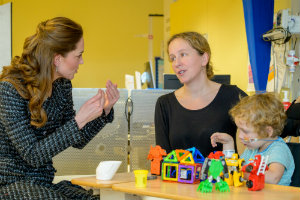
[213, 168]
[189, 166]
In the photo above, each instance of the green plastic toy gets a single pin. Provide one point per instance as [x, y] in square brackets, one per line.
[215, 168]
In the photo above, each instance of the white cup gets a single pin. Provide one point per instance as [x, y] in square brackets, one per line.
[107, 169]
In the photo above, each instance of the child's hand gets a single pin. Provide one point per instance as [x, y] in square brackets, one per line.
[297, 100]
[222, 138]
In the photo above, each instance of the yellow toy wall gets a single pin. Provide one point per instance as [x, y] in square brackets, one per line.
[115, 34]
[223, 22]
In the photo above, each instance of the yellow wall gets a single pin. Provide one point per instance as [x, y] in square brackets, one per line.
[4, 1]
[112, 33]
[223, 22]
[281, 4]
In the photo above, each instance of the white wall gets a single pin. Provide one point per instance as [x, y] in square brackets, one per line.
[5, 35]
[295, 10]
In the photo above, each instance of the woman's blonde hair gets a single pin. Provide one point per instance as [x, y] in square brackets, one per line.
[200, 44]
[32, 73]
[260, 111]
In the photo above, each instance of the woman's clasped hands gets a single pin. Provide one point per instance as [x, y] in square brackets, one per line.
[94, 107]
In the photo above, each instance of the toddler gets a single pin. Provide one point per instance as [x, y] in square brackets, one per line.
[260, 120]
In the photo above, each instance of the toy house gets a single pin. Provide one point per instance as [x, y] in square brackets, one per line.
[182, 166]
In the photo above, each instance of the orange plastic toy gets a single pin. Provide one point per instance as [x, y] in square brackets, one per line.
[156, 155]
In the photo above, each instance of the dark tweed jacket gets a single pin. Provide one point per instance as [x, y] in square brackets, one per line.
[26, 152]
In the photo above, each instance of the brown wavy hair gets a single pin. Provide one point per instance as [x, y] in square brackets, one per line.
[32, 73]
[200, 44]
[260, 111]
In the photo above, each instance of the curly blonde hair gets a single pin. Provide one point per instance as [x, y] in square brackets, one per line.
[260, 111]
[32, 73]
[200, 44]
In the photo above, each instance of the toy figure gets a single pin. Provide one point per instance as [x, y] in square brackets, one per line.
[156, 155]
[212, 170]
[235, 170]
[256, 168]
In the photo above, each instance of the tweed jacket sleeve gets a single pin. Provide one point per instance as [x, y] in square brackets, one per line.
[38, 146]
[90, 129]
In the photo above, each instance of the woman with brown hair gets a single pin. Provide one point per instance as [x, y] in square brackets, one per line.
[37, 119]
[189, 116]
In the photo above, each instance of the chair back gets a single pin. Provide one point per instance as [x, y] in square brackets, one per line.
[295, 149]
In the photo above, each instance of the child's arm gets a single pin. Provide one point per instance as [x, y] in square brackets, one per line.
[274, 174]
[223, 138]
